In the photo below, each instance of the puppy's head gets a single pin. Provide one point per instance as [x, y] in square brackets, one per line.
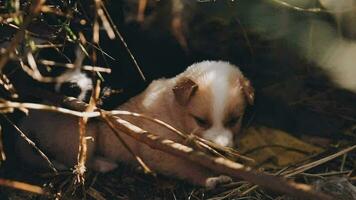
[213, 95]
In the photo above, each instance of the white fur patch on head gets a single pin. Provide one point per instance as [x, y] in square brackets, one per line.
[81, 80]
[219, 86]
[217, 76]
[84, 82]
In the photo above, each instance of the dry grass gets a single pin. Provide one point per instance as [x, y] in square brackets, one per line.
[126, 183]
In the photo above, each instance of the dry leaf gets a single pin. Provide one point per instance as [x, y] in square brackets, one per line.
[272, 148]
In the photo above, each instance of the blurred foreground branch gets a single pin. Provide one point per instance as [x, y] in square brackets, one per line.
[22, 186]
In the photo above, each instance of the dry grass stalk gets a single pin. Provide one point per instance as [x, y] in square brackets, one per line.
[71, 66]
[83, 147]
[34, 72]
[35, 9]
[117, 32]
[199, 141]
[23, 186]
[5, 82]
[103, 17]
[303, 168]
[141, 10]
[55, 10]
[177, 23]
[80, 168]
[138, 159]
[71, 101]
[190, 138]
[2, 152]
[322, 175]
[6, 105]
[216, 164]
[308, 166]
[31, 143]
[288, 5]
[96, 26]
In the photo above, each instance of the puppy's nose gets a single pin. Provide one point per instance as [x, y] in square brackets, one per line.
[223, 140]
[219, 136]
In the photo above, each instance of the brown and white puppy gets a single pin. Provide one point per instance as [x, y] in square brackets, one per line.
[208, 99]
[214, 106]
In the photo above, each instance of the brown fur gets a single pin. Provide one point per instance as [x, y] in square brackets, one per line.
[58, 134]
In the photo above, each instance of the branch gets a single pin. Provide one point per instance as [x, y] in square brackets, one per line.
[216, 164]
[83, 146]
[22, 186]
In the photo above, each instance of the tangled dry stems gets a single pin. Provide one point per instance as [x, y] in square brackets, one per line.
[30, 65]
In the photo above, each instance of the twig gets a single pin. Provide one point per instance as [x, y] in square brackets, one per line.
[100, 50]
[124, 43]
[141, 10]
[200, 142]
[246, 37]
[138, 159]
[254, 187]
[326, 174]
[226, 195]
[5, 82]
[36, 74]
[106, 24]
[96, 33]
[19, 36]
[343, 162]
[2, 152]
[71, 66]
[177, 24]
[23, 186]
[4, 105]
[82, 153]
[30, 142]
[56, 11]
[287, 5]
[70, 102]
[308, 166]
[217, 164]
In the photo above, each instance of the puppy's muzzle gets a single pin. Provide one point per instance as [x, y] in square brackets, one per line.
[222, 137]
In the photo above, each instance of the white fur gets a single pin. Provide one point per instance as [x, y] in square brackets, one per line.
[219, 135]
[84, 82]
[219, 88]
[216, 74]
[155, 92]
[81, 79]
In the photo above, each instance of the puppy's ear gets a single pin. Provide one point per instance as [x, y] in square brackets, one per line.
[247, 89]
[184, 90]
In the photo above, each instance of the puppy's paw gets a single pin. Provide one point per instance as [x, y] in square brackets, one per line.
[212, 182]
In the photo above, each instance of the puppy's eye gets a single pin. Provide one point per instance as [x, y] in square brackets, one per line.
[201, 121]
[232, 121]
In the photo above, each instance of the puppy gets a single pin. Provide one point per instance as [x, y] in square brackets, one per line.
[208, 100]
